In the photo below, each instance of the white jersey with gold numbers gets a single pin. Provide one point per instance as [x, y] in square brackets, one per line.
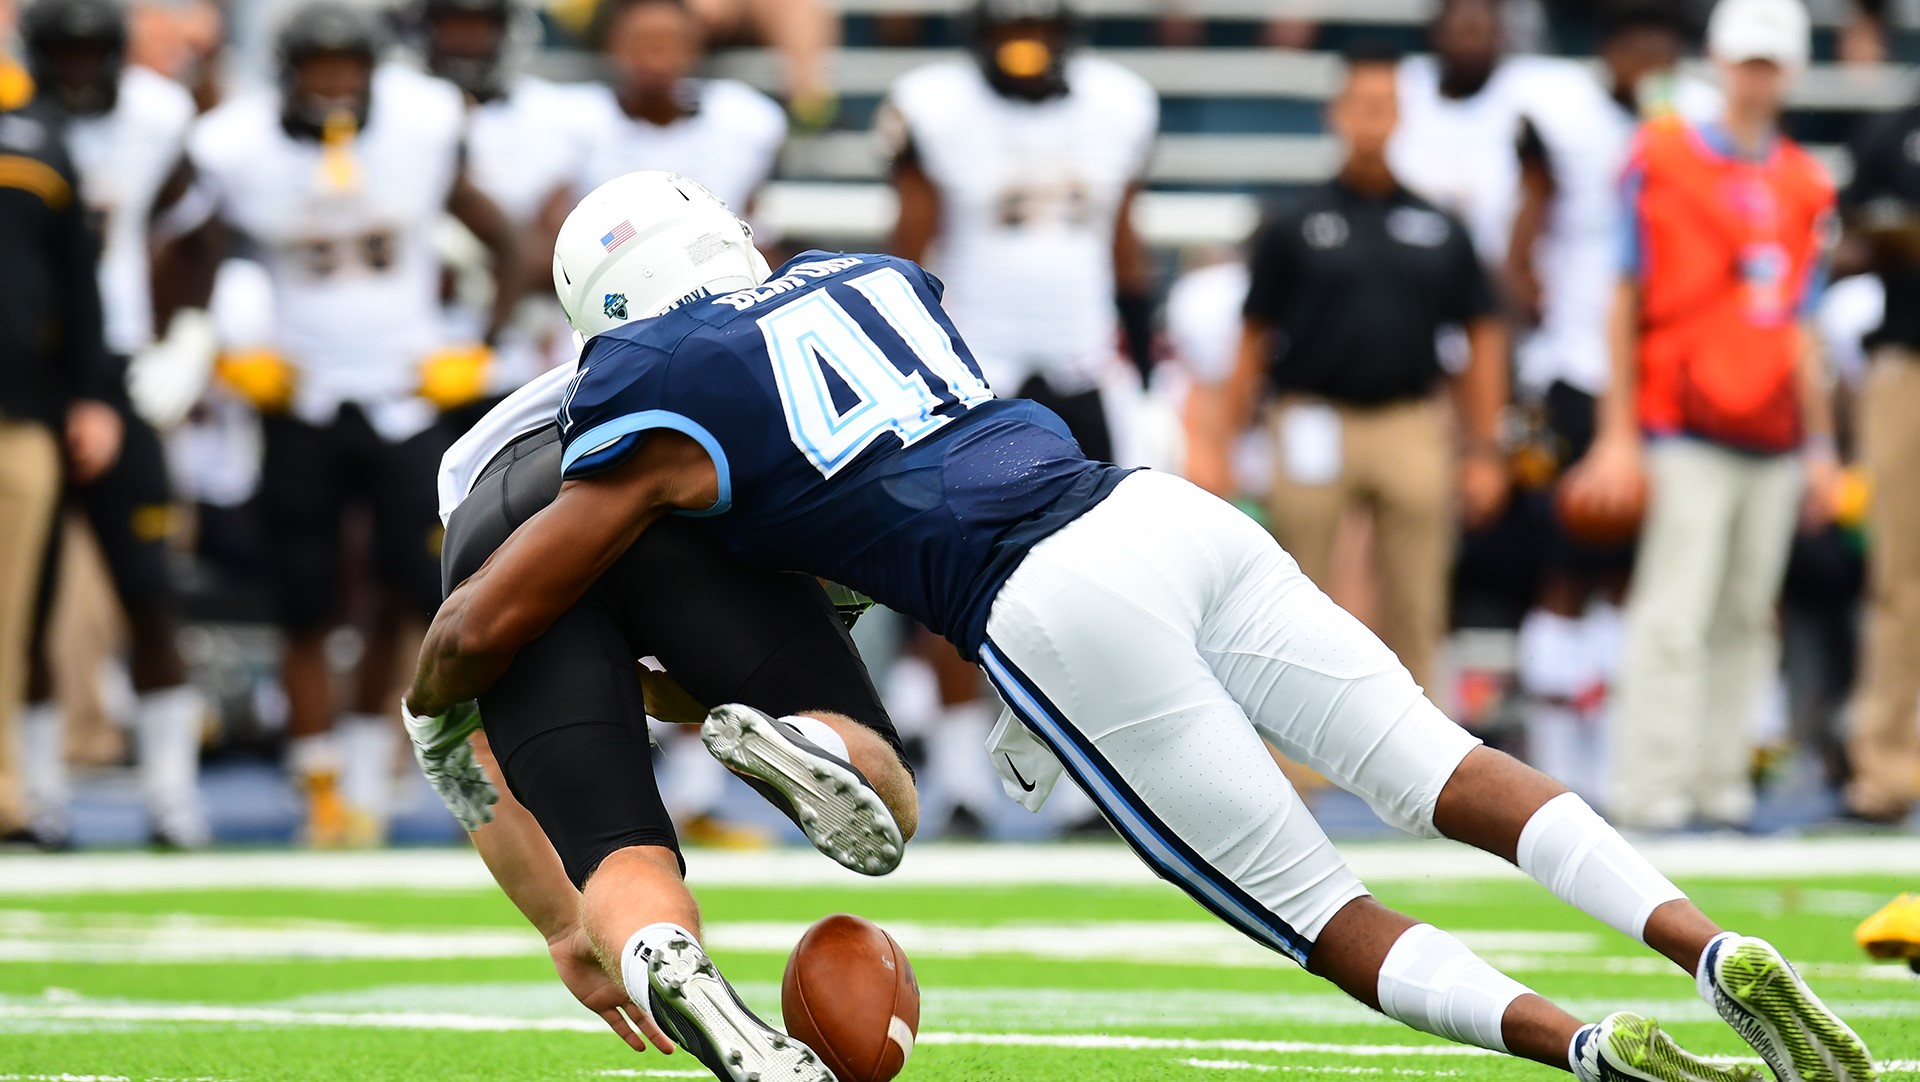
[1460, 153]
[529, 143]
[728, 142]
[346, 230]
[124, 158]
[1030, 193]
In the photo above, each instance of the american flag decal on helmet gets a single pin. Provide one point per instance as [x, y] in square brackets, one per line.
[621, 234]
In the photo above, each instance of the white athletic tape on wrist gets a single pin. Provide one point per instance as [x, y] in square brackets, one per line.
[1572, 852]
[1432, 982]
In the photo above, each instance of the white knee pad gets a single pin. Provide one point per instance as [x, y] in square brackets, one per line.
[1432, 982]
[1572, 852]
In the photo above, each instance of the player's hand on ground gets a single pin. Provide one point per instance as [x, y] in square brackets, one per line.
[440, 746]
[1484, 480]
[94, 432]
[580, 970]
[1609, 478]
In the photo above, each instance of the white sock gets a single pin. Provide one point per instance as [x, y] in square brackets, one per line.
[1702, 980]
[315, 753]
[1572, 852]
[1432, 982]
[43, 760]
[1553, 661]
[820, 733]
[367, 746]
[166, 728]
[635, 956]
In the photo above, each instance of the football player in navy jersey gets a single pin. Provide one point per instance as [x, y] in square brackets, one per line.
[827, 418]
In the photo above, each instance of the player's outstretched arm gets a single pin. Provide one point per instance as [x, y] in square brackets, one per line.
[522, 860]
[549, 562]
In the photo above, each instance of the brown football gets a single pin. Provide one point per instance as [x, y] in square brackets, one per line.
[851, 995]
[1588, 522]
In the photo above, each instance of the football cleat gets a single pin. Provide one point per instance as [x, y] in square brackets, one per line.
[1773, 1010]
[825, 796]
[1894, 932]
[1625, 1047]
[696, 1006]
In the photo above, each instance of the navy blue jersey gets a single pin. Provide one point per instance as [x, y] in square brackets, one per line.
[852, 432]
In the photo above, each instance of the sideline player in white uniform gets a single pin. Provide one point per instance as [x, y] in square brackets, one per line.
[1562, 264]
[656, 115]
[1460, 113]
[340, 176]
[1148, 634]
[127, 127]
[1017, 170]
[527, 142]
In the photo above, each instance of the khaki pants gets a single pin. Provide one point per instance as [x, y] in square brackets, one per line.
[1396, 461]
[1884, 745]
[1701, 640]
[29, 489]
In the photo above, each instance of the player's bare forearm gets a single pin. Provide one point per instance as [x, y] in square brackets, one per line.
[1132, 272]
[184, 270]
[516, 850]
[1482, 389]
[919, 218]
[503, 243]
[549, 563]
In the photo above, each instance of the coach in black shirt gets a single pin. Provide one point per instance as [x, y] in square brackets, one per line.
[1352, 287]
[1882, 207]
[52, 365]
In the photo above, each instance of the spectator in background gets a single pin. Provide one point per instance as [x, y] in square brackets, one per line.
[1017, 170]
[339, 175]
[53, 375]
[722, 133]
[1719, 400]
[1351, 286]
[127, 127]
[803, 33]
[1883, 207]
[1460, 113]
[1562, 267]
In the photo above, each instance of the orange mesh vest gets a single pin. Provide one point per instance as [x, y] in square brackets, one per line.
[1727, 247]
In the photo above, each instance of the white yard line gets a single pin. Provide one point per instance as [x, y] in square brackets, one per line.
[926, 866]
[1243, 1065]
[178, 1014]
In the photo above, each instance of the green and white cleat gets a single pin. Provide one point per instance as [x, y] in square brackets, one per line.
[828, 798]
[1625, 1047]
[1767, 1003]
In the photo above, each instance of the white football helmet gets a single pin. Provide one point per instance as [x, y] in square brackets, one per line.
[642, 243]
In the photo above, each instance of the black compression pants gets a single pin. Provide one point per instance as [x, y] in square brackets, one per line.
[568, 721]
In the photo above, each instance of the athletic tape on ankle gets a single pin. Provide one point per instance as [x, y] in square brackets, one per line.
[1432, 982]
[1572, 852]
[636, 956]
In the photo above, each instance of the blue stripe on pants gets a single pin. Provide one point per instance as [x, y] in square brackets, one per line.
[1150, 839]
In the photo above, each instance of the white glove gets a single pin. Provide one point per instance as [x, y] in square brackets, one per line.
[440, 745]
[168, 377]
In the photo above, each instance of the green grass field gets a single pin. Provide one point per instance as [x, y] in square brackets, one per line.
[1036, 964]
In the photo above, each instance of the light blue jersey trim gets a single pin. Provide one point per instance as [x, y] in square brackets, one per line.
[601, 446]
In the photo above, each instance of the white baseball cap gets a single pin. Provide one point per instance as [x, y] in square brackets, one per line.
[1776, 30]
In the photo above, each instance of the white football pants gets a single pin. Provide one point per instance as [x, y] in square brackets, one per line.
[1153, 642]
